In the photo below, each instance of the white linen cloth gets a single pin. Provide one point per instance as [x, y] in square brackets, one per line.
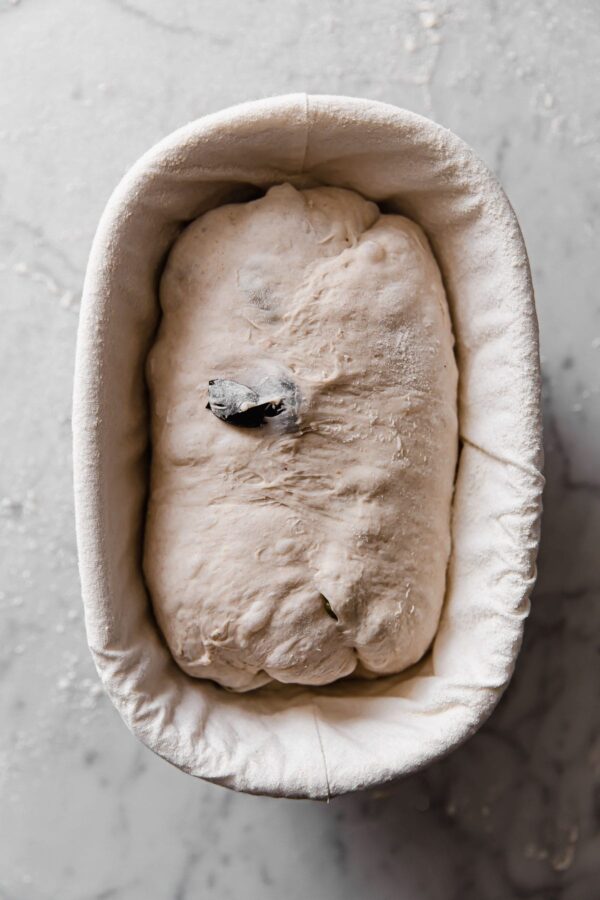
[287, 740]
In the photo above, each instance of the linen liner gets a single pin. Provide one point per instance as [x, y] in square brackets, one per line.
[290, 740]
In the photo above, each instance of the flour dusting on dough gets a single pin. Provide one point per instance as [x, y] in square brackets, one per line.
[306, 553]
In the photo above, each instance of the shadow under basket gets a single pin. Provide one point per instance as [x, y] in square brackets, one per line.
[298, 741]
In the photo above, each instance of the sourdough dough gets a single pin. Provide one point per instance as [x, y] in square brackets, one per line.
[315, 545]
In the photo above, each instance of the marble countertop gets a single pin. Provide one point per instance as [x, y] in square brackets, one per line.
[87, 813]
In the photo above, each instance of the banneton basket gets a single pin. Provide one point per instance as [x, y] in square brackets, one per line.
[297, 741]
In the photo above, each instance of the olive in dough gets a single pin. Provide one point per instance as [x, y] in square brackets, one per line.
[308, 538]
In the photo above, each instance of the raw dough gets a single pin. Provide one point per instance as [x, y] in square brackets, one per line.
[315, 545]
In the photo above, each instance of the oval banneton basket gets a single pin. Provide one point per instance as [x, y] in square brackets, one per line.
[296, 741]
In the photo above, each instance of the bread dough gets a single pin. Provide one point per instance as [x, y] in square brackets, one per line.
[316, 545]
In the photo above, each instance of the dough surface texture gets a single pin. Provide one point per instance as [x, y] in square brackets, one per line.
[314, 546]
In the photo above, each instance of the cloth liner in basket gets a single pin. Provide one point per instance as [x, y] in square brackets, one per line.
[297, 741]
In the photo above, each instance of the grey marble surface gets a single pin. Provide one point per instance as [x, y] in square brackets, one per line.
[86, 812]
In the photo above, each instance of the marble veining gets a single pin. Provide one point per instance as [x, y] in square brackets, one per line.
[87, 813]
